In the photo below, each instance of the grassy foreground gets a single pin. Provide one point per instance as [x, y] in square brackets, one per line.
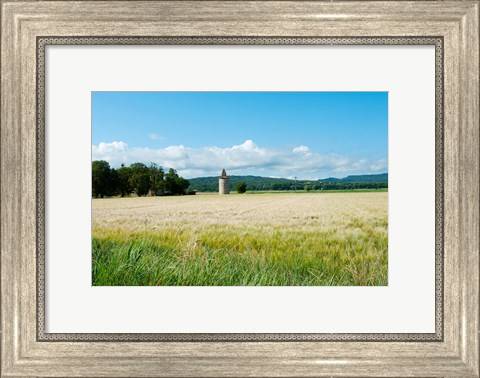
[269, 240]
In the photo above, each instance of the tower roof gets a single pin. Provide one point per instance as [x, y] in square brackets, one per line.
[224, 172]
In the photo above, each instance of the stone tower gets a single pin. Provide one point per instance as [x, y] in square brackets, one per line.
[223, 186]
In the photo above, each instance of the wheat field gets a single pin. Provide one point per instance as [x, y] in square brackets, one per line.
[273, 239]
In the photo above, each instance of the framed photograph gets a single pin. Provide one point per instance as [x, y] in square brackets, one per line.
[282, 219]
[218, 188]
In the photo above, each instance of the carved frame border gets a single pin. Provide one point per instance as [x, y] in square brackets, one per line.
[43, 42]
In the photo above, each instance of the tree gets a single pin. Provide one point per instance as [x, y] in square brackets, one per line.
[124, 187]
[112, 187]
[140, 178]
[156, 179]
[241, 187]
[182, 185]
[101, 175]
[170, 185]
[137, 178]
[174, 184]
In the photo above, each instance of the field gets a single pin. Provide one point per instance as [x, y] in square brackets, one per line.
[269, 239]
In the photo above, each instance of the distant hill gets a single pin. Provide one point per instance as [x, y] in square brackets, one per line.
[382, 177]
[210, 184]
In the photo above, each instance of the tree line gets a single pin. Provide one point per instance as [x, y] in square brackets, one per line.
[210, 184]
[137, 178]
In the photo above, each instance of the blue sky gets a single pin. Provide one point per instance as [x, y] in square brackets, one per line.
[278, 134]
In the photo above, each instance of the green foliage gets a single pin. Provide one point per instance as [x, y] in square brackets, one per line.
[241, 187]
[124, 185]
[157, 181]
[254, 183]
[137, 178]
[174, 184]
[140, 178]
[104, 179]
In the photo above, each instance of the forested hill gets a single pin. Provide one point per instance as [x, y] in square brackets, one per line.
[382, 177]
[210, 184]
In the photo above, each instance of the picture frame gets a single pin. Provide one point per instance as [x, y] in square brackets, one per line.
[27, 351]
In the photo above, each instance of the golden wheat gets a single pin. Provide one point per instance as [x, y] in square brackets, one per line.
[344, 235]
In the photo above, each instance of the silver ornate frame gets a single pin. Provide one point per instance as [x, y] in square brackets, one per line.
[454, 349]
[42, 42]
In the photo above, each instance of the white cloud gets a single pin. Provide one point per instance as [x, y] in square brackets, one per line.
[111, 147]
[111, 152]
[301, 149]
[153, 136]
[242, 159]
[379, 165]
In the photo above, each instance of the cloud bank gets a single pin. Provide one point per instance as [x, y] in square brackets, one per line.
[244, 159]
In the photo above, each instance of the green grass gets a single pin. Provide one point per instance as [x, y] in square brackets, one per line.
[227, 256]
